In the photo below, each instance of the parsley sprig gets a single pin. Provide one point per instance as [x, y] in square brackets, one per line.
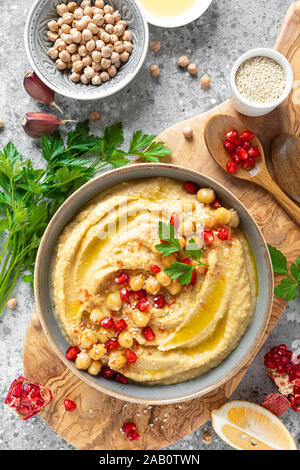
[290, 284]
[29, 197]
[181, 271]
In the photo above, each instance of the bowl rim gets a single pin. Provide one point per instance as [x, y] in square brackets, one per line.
[185, 18]
[110, 90]
[123, 396]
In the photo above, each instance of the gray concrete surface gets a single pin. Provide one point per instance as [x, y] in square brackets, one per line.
[226, 30]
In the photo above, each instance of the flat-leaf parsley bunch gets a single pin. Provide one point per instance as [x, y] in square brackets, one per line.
[290, 284]
[29, 197]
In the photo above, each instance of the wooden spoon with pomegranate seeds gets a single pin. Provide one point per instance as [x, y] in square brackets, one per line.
[286, 164]
[214, 134]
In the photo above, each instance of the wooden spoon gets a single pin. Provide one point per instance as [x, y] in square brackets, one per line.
[214, 135]
[286, 164]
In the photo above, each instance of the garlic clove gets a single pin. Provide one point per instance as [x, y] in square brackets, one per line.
[38, 90]
[37, 124]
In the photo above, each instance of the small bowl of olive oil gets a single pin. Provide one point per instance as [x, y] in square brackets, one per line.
[173, 13]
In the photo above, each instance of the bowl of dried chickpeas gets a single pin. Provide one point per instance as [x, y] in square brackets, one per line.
[86, 49]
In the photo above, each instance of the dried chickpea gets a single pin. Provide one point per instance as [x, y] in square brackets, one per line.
[65, 56]
[188, 132]
[94, 116]
[87, 19]
[72, 48]
[109, 19]
[97, 352]
[100, 44]
[183, 61]
[106, 52]
[84, 79]
[98, 20]
[125, 339]
[127, 36]
[91, 45]
[206, 195]
[222, 216]
[75, 77]
[61, 9]
[118, 64]
[75, 58]
[87, 61]
[95, 368]
[174, 288]
[66, 29]
[113, 38]
[205, 80]
[85, 3]
[96, 80]
[128, 46]
[78, 13]
[69, 65]
[81, 25]
[93, 28]
[86, 35]
[155, 46]
[88, 11]
[12, 303]
[96, 66]
[119, 47]
[52, 36]
[108, 9]
[112, 71]
[110, 47]
[152, 285]
[76, 36]
[124, 56]
[68, 18]
[83, 361]
[60, 65]
[115, 57]
[99, 3]
[82, 51]
[119, 29]
[67, 38]
[105, 37]
[60, 45]
[192, 69]
[116, 360]
[168, 260]
[53, 25]
[53, 53]
[96, 56]
[140, 319]
[88, 339]
[109, 29]
[136, 282]
[113, 301]
[105, 63]
[104, 76]
[72, 6]
[98, 11]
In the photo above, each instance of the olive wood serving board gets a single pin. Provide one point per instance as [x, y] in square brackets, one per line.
[96, 422]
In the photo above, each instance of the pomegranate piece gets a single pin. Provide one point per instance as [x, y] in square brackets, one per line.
[223, 234]
[148, 333]
[232, 135]
[111, 344]
[125, 295]
[120, 325]
[215, 204]
[131, 357]
[229, 147]
[246, 145]
[276, 403]
[121, 378]
[70, 405]
[143, 304]
[242, 153]
[249, 163]
[190, 187]
[133, 435]
[254, 152]
[122, 279]
[208, 236]
[107, 322]
[107, 372]
[247, 136]
[27, 398]
[139, 294]
[193, 278]
[236, 158]
[154, 269]
[175, 220]
[72, 353]
[128, 427]
[159, 301]
[231, 167]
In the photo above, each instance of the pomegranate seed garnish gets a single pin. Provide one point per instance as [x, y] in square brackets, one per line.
[190, 187]
[215, 204]
[232, 135]
[72, 353]
[143, 304]
[254, 152]
[223, 234]
[246, 145]
[128, 427]
[130, 356]
[120, 325]
[208, 236]
[229, 146]
[241, 152]
[122, 279]
[37, 124]
[121, 378]
[154, 269]
[125, 295]
[236, 158]
[175, 220]
[107, 372]
[247, 136]
[249, 163]
[107, 322]
[193, 279]
[159, 301]
[69, 405]
[132, 435]
[111, 344]
[148, 333]
[139, 294]
[38, 90]
[231, 167]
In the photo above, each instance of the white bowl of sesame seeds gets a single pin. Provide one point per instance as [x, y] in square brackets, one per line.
[261, 79]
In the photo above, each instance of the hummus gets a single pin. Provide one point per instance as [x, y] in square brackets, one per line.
[106, 260]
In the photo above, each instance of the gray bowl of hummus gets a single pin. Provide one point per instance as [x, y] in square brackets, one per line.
[140, 329]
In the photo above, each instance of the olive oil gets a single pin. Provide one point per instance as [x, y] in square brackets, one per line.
[167, 7]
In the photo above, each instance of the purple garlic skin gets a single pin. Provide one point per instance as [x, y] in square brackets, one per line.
[36, 124]
[38, 90]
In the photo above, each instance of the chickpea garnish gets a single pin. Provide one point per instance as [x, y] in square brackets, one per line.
[183, 61]
[188, 132]
[83, 361]
[125, 339]
[88, 339]
[116, 360]
[97, 352]
[154, 70]
[11, 303]
[155, 46]
[205, 81]
[192, 69]
[95, 115]
[114, 301]
[95, 368]
[206, 195]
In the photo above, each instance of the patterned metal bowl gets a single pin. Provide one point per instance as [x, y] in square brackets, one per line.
[37, 45]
